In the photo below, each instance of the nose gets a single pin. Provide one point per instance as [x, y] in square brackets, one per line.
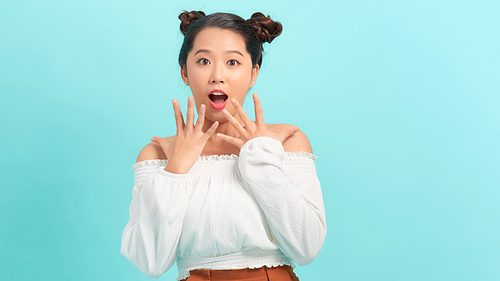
[218, 74]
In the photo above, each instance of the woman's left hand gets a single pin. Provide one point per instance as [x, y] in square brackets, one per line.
[252, 129]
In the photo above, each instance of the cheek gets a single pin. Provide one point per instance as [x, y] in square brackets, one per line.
[242, 78]
[195, 81]
[195, 78]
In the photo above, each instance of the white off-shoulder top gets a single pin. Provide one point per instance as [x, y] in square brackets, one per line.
[261, 208]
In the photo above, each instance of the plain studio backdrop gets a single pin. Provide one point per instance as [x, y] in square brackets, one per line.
[400, 100]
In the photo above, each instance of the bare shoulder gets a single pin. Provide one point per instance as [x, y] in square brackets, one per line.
[152, 151]
[297, 142]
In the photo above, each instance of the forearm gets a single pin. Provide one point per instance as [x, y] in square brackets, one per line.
[157, 211]
[292, 204]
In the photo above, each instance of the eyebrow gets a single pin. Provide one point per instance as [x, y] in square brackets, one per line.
[228, 52]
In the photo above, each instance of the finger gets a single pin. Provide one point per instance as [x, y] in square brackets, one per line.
[179, 119]
[232, 140]
[190, 113]
[211, 130]
[241, 112]
[259, 117]
[164, 144]
[159, 140]
[288, 133]
[235, 123]
[201, 117]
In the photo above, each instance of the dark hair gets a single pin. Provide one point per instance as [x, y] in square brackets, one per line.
[255, 31]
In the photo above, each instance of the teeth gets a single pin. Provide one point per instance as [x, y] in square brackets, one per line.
[217, 94]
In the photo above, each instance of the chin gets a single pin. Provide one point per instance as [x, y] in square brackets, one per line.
[218, 116]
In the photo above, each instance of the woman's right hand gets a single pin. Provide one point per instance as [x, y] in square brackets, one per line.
[189, 141]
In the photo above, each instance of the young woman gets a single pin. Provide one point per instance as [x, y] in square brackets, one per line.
[226, 198]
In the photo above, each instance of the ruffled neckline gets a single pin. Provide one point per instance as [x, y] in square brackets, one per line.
[216, 158]
[289, 154]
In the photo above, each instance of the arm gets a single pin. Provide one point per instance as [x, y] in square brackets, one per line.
[157, 211]
[161, 193]
[292, 203]
[291, 199]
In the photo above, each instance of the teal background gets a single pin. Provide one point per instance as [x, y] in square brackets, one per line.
[400, 100]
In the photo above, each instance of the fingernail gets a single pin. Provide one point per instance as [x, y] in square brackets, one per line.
[233, 100]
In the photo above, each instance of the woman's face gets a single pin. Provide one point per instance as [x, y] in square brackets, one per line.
[219, 68]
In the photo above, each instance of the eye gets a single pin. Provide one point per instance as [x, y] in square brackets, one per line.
[233, 62]
[203, 61]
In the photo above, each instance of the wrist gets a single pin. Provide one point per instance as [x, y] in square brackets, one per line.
[175, 169]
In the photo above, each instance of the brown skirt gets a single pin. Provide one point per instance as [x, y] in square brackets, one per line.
[280, 273]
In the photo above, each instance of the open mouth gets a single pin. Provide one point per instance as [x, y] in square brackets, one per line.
[218, 100]
[217, 97]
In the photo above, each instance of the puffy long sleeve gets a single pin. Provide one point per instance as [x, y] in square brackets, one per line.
[159, 203]
[289, 194]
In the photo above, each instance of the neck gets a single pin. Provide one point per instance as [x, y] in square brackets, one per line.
[215, 143]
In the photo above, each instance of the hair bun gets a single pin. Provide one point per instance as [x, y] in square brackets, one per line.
[264, 27]
[187, 18]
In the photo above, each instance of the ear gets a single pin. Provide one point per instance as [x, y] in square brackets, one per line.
[255, 73]
[184, 75]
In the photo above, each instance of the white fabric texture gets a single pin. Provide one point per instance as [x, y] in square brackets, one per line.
[261, 208]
